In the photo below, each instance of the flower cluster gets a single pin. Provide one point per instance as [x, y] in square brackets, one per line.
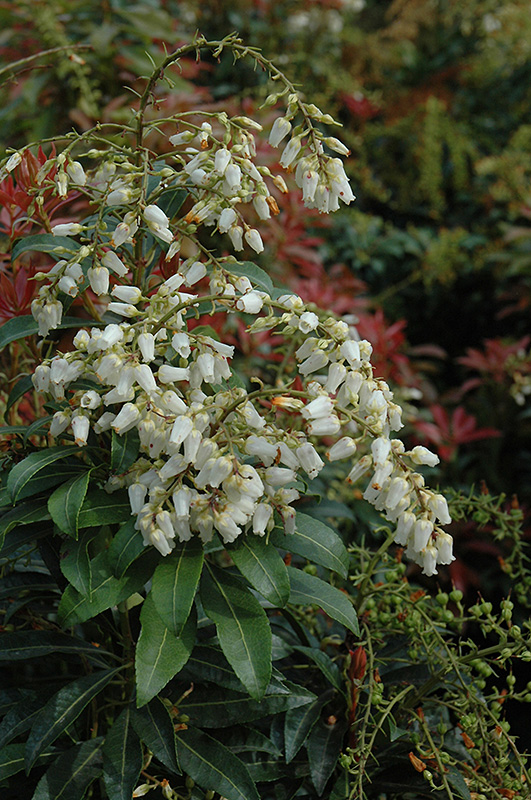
[211, 457]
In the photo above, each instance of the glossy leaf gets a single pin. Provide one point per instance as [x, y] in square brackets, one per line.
[264, 568]
[75, 563]
[324, 747]
[65, 503]
[258, 277]
[155, 727]
[37, 471]
[43, 243]
[315, 541]
[309, 590]
[457, 782]
[124, 450]
[20, 645]
[12, 759]
[23, 514]
[20, 718]
[243, 739]
[299, 722]
[22, 327]
[175, 584]
[72, 773]
[30, 582]
[62, 709]
[23, 385]
[126, 546]
[328, 667]
[101, 508]
[214, 766]
[242, 627]
[122, 758]
[159, 653]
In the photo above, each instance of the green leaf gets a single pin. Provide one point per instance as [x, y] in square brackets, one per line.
[122, 758]
[62, 709]
[315, 541]
[43, 243]
[29, 582]
[171, 200]
[221, 708]
[124, 450]
[263, 567]
[65, 503]
[299, 722]
[328, 667]
[20, 645]
[126, 546]
[38, 427]
[309, 590]
[257, 276]
[209, 664]
[20, 718]
[242, 740]
[107, 591]
[22, 327]
[154, 726]
[37, 471]
[101, 508]
[159, 654]
[324, 747]
[72, 773]
[213, 766]
[30, 511]
[242, 627]
[75, 563]
[456, 780]
[24, 537]
[175, 584]
[12, 759]
[23, 385]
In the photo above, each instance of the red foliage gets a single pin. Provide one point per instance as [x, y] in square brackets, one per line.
[448, 433]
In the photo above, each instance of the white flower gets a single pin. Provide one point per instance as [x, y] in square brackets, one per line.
[126, 418]
[290, 151]
[227, 218]
[250, 303]
[146, 344]
[169, 374]
[80, 429]
[12, 162]
[236, 237]
[261, 516]
[254, 240]
[99, 280]
[308, 322]
[67, 229]
[421, 455]
[343, 448]
[280, 129]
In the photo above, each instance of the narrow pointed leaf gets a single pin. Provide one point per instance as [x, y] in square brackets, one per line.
[20, 645]
[309, 590]
[315, 541]
[101, 508]
[126, 546]
[159, 654]
[213, 766]
[65, 503]
[23, 385]
[124, 450]
[72, 773]
[37, 471]
[23, 514]
[175, 584]
[324, 747]
[256, 275]
[12, 759]
[154, 726]
[75, 563]
[264, 568]
[328, 667]
[299, 722]
[20, 718]
[62, 709]
[122, 758]
[242, 627]
[43, 243]
[22, 327]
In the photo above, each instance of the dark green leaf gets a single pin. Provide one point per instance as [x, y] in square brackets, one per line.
[12, 759]
[38, 427]
[20, 645]
[341, 788]
[155, 727]
[71, 774]
[124, 450]
[213, 766]
[209, 664]
[37, 471]
[44, 243]
[159, 653]
[20, 718]
[457, 782]
[30, 511]
[101, 508]
[25, 536]
[122, 758]
[221, 708]
[171, 200]
[242, 627]
[62, 709]
[299, 722]
[324, 747]
[75, 563]
[22, 327]
[65, 503]
[23, 385]
[328, 667]
[315, 541]
[242, 740]
[11, 430]
[257, 276]
[175, 584]
[127, 545]
[263, 567]
[14, 582]
[309, 590]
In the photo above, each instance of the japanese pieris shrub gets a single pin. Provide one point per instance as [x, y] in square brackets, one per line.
[162, 480]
